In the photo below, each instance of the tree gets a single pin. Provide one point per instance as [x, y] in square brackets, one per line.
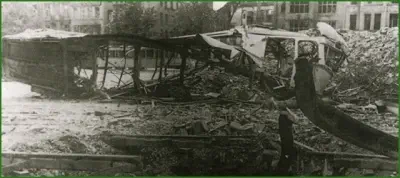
[17, 17]
[225, 14]
[132, 18]
[192, 18]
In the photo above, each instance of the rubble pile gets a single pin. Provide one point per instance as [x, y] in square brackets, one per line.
[226, 85]
[372, 63]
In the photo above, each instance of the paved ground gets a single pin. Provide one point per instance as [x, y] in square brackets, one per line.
[30, 123]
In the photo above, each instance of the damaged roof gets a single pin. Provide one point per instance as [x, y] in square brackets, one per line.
[42, 34]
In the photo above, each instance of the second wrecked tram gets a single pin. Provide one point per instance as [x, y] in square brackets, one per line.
[51, 61]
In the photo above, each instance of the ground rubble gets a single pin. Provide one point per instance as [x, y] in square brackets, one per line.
[243, 115]
[236, 118]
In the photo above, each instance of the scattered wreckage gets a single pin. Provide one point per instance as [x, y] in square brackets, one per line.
[287, 65]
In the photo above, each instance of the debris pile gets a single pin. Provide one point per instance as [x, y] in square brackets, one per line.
[371, 69]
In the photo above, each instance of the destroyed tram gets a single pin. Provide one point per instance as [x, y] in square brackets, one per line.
[287, 64]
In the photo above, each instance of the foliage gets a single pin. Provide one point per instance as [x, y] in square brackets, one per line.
[132, 18]
[194, 18]
[17, 17]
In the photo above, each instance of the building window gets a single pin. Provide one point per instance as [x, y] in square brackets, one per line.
[110, 15]
[353, 22]
[393, 20]
[66, 27]
[81, 15]
[171, 4]
[327, 7]
[87, 12]
[268, 16]
[367, 21]
[76, 28]
[47, 12]
[166, 19]
[74, 12]
[299, 7]
[298, 25]
[377, 22]
[90, 11]
[161, 18]
[97, 12]
[161, 4]
[250, 19]
[283, 7]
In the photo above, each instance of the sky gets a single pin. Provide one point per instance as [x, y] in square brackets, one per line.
[218, 4]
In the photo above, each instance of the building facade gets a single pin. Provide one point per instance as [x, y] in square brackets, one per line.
[90, 17]
[164, 18]
[55, 15]
[85, 17]
[261, 13]
[370, 15]
[296, 16]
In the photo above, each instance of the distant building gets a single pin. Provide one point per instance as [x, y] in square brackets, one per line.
[91, 17]
[165, 15]
[85, 17]
[56, 15]
[250, 13]
[296, 16]
[370, 15]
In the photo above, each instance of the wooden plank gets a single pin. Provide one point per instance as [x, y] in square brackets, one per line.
[183, 66]
[67, 164]
[7, 169]
[127, 143]
[106, 66]
[161, 64]
[136, 70]
[23, 155]
[343, 155]
[375, 163]
[65, 67]
[93, 57]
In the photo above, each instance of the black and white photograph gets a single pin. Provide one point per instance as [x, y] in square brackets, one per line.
[199, 88]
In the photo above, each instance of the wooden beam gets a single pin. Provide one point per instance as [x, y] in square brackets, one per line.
[375, 163]
[155, 65]
[184, 56]
[161, 65]
[64, 164]
[93, 57]
[342, 155]
[136, 69]
[288, 151]
[129, 143]
[7, 169]
[105, 67]
[65, 67]
[71, 156]
[123, 69]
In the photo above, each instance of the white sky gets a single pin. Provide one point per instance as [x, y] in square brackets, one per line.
[218, 4]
